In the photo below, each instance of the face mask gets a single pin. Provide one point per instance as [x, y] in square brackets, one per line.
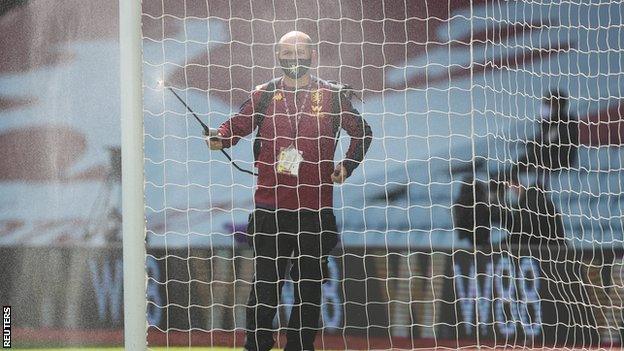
[295, 68]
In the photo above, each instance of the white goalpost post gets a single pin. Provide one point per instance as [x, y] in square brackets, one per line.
[134, 276]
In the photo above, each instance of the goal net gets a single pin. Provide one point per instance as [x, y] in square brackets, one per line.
[488, 210]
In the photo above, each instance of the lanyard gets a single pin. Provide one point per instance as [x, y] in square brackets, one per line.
[298, 111]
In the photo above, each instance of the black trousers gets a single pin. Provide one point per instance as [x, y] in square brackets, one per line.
[279, 236]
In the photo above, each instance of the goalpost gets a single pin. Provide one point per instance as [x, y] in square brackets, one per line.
[459, 230]
[132, 179]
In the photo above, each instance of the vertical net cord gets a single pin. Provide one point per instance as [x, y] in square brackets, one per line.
[188, 185]
[432, 273]
[367, 294]
[428, 130]
[164, 190]
[209, 170]
[297, 109]
[214, 253]
[406, 328]
[317, 46]
[341, 153]
[474, 176]
[386, 251]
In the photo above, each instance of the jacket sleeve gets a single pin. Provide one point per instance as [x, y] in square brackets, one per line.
[241, 124]
[360, 132]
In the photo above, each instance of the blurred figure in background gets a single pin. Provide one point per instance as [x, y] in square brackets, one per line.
[555, 146]
[526, 212]
[531, 217]
[475, 210]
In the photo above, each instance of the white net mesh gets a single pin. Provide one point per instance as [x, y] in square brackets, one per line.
[487, 210]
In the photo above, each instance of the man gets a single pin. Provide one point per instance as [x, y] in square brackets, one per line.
[293, 219]
[555, 147]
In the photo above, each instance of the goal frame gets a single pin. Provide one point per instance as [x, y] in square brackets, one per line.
[132, 175]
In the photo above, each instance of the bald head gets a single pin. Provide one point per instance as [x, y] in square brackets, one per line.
[295, 37]
[293, 45]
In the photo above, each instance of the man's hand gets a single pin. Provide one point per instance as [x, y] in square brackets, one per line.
[339, 175]
[214, 143]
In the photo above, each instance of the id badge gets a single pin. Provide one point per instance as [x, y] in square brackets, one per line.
[288, 161]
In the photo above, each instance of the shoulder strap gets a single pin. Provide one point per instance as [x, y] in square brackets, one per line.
[260, 111]
[339, 92]
[267, 94]
[336, 110]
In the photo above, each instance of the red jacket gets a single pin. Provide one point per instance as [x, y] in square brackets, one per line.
[313, 188]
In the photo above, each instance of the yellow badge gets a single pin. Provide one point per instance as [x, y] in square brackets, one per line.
[317, 97]
[278, 97]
